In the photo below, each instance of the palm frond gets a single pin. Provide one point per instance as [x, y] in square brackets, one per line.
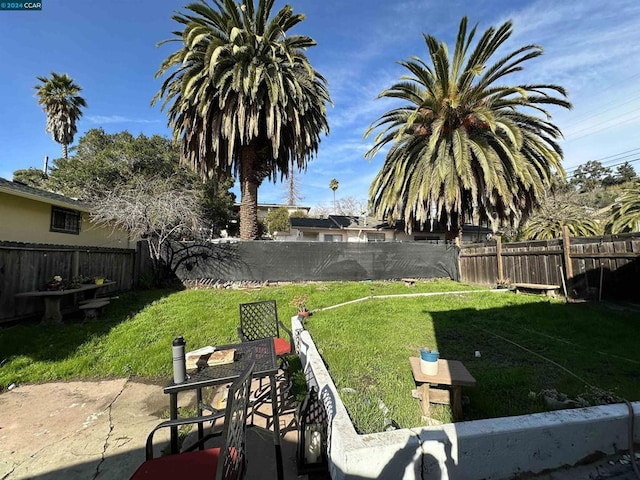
[462, 146]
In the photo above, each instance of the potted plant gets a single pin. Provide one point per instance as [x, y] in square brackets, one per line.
[55, 283]
[300, 303]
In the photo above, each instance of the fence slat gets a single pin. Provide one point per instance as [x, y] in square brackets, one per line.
[27, 267]
[542, 262]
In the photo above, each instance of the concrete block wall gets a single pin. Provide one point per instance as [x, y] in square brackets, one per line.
[491, 449]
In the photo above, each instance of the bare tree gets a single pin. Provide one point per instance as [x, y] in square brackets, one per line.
[351, 206]
[293, 195]
[320, 211]
[152, 210]
[343, 206]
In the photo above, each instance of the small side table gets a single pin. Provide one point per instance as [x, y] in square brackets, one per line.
[452, 374]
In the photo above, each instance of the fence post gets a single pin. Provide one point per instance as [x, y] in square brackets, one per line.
[499, 259]
[75, 264]
[566, 243]
[137, 265]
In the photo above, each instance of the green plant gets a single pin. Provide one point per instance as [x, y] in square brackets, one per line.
[300, 302]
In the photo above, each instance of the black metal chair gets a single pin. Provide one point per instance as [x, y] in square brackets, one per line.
[260, 320]
[222, 463]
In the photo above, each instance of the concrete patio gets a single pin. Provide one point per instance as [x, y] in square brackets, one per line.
[97, 430]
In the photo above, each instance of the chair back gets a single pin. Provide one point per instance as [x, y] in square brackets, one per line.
[259, 320]
[232, 462]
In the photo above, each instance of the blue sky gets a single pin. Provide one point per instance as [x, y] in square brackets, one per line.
[108, 47]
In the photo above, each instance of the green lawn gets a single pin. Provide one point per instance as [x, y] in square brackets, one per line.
[133, 337]
[366, 345]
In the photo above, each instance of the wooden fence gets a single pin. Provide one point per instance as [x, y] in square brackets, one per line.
[27, 267]
[606, 266]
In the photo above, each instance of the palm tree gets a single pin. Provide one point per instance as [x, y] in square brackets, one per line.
[243, 98]
[333, 185]
[559, 209]
[625, 213]
[465, 146]
[61, 101]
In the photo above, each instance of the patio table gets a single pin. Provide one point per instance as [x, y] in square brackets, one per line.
[452, 374]
[263, 353]
[52, 313]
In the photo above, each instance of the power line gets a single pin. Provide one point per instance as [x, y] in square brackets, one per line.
[611, 166]
[600, 112]
[603, 127]
[614, 81]
[611, 158]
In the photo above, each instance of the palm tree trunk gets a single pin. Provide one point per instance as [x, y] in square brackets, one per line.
[248, 194]
[65, 152]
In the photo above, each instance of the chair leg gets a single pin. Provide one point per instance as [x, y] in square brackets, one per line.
[286, 382]
[262, 395]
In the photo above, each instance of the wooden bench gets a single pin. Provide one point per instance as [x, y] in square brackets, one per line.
[452, 374]
[93, 307]
[549, 290]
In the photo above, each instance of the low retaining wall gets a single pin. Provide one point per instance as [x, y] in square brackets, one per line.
[497, 448]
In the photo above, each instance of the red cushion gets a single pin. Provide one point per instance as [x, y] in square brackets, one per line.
[198, 464]
[281, 346]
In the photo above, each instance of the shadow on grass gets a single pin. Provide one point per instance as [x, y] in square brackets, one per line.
[515, 352]
[52, 343]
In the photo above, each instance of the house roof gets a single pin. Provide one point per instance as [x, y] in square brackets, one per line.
[21, 190]
[276, 205]
[437, 227]
[338, 222]
[298, 222]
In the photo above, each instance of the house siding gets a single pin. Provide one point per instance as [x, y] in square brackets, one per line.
[26, 220]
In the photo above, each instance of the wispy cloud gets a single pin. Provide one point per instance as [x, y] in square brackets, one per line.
[584, 42]
[104, 119]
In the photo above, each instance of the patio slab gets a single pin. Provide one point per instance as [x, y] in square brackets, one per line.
[97, 430]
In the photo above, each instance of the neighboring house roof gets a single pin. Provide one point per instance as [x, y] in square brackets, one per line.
[339, 222]
[297, 222]
[21, 190]
[437, 227]
[264, 206]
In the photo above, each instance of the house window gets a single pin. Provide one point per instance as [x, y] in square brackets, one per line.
[65, 221]
[333, 238]
[375, 237]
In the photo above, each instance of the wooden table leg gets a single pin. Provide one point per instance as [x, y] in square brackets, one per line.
[456, 403]
[424, 401]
